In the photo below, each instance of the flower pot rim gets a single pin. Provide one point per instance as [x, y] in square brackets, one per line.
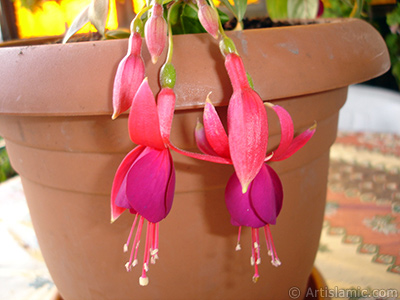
[284, 62]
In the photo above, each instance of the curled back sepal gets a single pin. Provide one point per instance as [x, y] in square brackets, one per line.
[296, 144]
[215, 131]
[129, 76]
[262, 202]
[156, 32]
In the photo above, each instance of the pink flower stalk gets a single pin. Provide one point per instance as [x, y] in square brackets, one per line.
[145, 181]
[247, 124]
[129, 76]
[208, 18]
[156, 32]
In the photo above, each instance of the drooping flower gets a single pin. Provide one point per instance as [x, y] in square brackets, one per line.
[247, 123]
[261, 204]
[145, 180]
[156, 32]
[208, 18]
[129, 76]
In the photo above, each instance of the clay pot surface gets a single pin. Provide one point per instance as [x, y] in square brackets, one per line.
[62, 141]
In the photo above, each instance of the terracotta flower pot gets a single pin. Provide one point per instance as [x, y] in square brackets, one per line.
[55, 109]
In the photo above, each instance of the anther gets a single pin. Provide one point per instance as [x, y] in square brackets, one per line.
[127, 266]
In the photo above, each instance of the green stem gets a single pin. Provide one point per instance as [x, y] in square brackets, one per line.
[170, 42]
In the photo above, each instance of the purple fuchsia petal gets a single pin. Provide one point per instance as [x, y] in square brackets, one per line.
[215, 131]
[122, 170]
[297, 143]
[248, 134]
[129, 76]
[150, 184]
[143, 123]
[239, 205]
[156, 32]
[166, 106]
[266, 195]
[170, 192]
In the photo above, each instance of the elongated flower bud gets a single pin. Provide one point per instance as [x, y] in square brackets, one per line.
[129, 76]
[156, 32]
[208, 18]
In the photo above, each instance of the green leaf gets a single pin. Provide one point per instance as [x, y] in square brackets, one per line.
[393, 18]
[277, 9]
[77, 24]
[231, 8]
[173, 13]
[98, 12]
[190, 21]
[302, 9]
[241, 6]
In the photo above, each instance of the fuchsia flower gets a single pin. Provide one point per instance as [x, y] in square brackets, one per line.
[145, 181]
[261, 204]
[156, 32]
[208, 18]
[130, 74]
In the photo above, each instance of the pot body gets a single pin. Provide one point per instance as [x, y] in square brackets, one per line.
[67, 166]
[61, 140]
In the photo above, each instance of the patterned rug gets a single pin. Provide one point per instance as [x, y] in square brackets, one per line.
[360, 243]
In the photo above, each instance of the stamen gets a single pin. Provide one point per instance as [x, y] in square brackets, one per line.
[268, 236]
[130, 234]
[137, 236]
[255, 253]
[256, 275]
[135, 262]
[238, 240]
[146, 257]
[276, 262]
[136, 242]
